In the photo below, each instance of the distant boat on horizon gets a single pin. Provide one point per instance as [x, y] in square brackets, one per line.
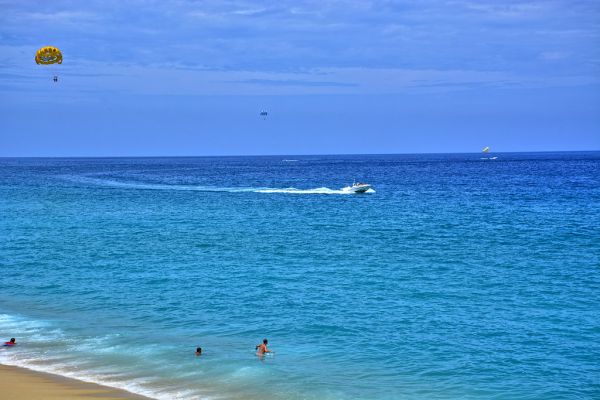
[486, 150]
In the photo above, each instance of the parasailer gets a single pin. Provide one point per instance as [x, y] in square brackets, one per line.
[49, 55]
[264, 114]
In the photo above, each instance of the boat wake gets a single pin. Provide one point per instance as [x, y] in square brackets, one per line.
[321, 190]
[196, 188]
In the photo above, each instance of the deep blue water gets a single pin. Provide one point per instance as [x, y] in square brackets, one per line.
[457, 278]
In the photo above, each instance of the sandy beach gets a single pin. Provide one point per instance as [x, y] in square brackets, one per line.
[24, 384]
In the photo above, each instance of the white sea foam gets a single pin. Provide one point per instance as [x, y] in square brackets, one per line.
[43, 348]
[140, 385]
[321, 190]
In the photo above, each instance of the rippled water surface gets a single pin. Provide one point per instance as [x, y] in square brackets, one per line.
[456, 277]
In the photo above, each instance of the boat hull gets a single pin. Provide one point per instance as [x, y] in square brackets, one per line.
[360, 189]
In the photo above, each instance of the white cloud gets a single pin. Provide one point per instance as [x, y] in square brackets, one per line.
[554, 55]
[507, 10]
[58, 16]
[249, 11]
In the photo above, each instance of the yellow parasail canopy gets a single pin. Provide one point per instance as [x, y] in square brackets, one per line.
[48, 55]
[486, 149]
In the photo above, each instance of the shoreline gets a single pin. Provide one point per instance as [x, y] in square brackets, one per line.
[20, 383]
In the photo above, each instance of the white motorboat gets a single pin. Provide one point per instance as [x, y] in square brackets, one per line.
[358, 187]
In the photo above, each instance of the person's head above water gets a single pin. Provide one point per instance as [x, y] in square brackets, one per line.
[265, 341]
[13, 340]
[198, 351]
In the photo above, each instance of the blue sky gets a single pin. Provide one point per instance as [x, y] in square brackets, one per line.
[191, 77]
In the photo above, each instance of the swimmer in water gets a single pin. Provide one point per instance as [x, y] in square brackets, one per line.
[198, 351]
[11, 342]
[262, 348]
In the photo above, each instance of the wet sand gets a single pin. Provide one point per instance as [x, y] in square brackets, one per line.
[24, 384]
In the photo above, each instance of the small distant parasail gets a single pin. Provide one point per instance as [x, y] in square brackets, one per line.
[49, 55]
[264, 114]
[485, 150]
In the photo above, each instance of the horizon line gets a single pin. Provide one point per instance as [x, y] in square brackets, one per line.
[303, 155]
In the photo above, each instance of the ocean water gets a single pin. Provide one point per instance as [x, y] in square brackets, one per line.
[456, 278]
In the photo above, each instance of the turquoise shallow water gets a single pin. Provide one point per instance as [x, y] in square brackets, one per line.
[457, 278]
